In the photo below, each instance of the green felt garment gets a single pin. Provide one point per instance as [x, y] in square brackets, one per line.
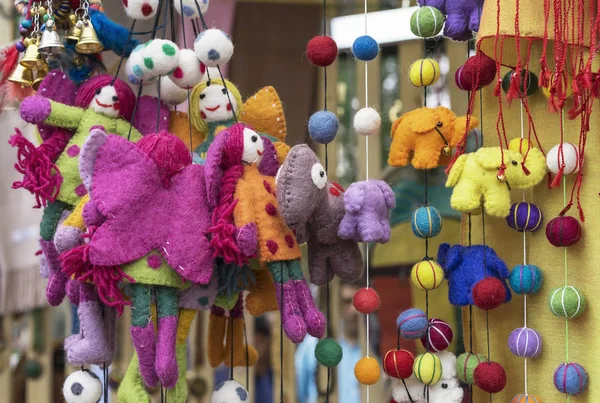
[164, 275]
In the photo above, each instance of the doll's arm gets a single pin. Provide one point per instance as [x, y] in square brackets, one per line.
[70, 232]
[245, 220]
[37, 109]
[123, 130]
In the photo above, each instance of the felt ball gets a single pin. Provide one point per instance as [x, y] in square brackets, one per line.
[525, 342]
[520, 145]
[170, 93]
[566, 85]
[323, 126]
[570, 378]
[479, 70]
[367, 122]
[33, 369]
[465, 366]
[563, 231]
[188, 7]
[426, 22]
[140, 9]
[328, 352]
[365, 48]
[230, 392]
[412, 323]
[524, 217]
[26, 24]
[438, 337]
[489, 293]
[82, 387]
[213, 47]
[521, 398]
[321, 50]
[567, 302]
[474, 141]
[20, 47]
[490, 377]
[565, 156]
[532, 82]
[426, 222]
[160, 57]
[462, 81]
[189, 71]
[398, 363]
[424, 72]
[427, 275]
[427, 368]
[367, 371]
[525, 279]
[366, 301]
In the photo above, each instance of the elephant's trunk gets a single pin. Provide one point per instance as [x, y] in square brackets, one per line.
[534, 169]
[460, 129]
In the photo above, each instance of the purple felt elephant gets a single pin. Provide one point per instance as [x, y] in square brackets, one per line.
[368, 204]
[462, 16]
[314, 207]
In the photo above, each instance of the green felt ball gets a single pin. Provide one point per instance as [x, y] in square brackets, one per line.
[465, 366]
[328, 352]
[532, 82]
[33, 369]
[567, 302]
[426, 22]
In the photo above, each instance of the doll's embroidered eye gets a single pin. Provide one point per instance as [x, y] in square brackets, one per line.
[115, 99]
[98, 91]
[322, 174]
[254, 138]
[444, 386]
[514, 162]
[224, 91]
[439, 124]
[202, 96]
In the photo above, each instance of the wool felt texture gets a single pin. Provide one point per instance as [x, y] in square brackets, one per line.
[328, 352]
[140, 9]
[321, 50]
[426, 222]
[466, 364]
[179, 393]
[131, 389]
[213, 47]
[160, 57]
[238, 345]
[170, 93]
[424, 72]
[230, 392]
[57, 87]
[366, 301]
[489, 293]
[316, 209]
[189, 70]
[570, 378]
[82, 387]
[567, 302]
[524, 217]
[473, 177]
[199, 297]
[426, 22]
[427, 368]
[526, 399]
[477, 72]
[55, 290]
[427, 275]
[365, 48]
[490, 377]
[367, 371]
[323, 126]
[398, 363]
[511, 76]
[51, 218]
[462, 18]
[525, 342]
[264, 112]
[179, 126]
[261, 296]
[438, 337]
[368, 205]
[113, 36]
[412, 323]
[563, 231]
[188, 7]
[418, 132]
[144, 343]
[145, 116]
[526, 279]
[474, 141]
[367, 122]
[166, 359]
[293, 322]
[201, 123]
[564, 159]
[215, 347]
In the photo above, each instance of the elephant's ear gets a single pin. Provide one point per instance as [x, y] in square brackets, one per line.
[488, 158]
[450, 257]
[423, 120]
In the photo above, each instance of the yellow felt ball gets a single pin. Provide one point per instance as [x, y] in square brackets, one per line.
[424, 72]
[520, 145]
[367, 371]
[427, 368]
[427, 275]
[568, 90]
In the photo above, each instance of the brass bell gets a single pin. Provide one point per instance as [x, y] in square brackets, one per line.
[21, 75]
[88, 43]
[50, 43]
[501, 177]
[75, 32]
[32, 58]
[39, 77]
[447, 150]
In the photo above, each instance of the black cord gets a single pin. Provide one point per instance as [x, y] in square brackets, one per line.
[124, 50]
[247, 357]
[231, 341]
[204, 26]
[188, 90]
[105, 386]
[281, 308]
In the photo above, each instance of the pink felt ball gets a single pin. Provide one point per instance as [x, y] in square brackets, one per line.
[563, 231]
[490, 377]
[439, 335]
[489, 293]
[366, 300]
[321, 50]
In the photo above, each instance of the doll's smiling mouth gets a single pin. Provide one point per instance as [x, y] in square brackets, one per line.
[259, 152]
[213, 109]
[114, 106]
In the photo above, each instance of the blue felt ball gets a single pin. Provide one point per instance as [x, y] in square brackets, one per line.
[323, 126]
[26, 24]
[413, 323]
[570, 378]
[526, 279]
[365, 48]
[426, 222]
[474, 141]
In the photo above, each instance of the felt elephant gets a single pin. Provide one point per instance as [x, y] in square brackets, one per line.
[313, 206]
[475, 181]
[462, 17]
[446, 390]
[464, 267]
[427, 135]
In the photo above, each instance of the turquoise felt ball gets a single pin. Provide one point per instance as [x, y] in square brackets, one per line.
[365, 48]
[426, 222]
[526, 279]
[323, 126]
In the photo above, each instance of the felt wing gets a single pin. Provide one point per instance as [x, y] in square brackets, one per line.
[213, 170]
[264, 112]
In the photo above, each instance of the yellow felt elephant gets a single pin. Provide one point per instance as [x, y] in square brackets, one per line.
[428, 134]
[474, 177]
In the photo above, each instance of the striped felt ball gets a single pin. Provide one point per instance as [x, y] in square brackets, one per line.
[466, 364]
[567, 302]
[427, 275]
[524, 217]
[521, 398]
[398, 363]
[427, 368]
[426, 222]
[426, 22]
[412, 323]
[439, 336]
[424, 72]
[525, 279]
[570, 378]
[525, 342]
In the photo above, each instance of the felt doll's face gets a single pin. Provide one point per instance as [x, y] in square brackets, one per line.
[214, 104]
[253, 147]
[106, 101]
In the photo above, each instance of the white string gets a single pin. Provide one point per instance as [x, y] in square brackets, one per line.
[524, 258]
[368, 323]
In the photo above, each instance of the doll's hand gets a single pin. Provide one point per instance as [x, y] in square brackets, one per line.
[91, 215]
[35, 109]
[66, 238]
[247, 239]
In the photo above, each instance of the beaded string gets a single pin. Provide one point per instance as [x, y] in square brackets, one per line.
[566, 274]
[524, 256]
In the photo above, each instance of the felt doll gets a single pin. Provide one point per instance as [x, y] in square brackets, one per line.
[153, 236]
[462, 17]
[246, 222]
[313, 207]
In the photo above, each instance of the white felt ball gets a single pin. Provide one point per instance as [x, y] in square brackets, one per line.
[367, 122]
[82, 387]
[189, 7]
[161, 57]
[134, 67]
[140, 9]
[170, 93]
[189, 71]
[213, 73]
[554, 158]
[213, 47]
[229, 392]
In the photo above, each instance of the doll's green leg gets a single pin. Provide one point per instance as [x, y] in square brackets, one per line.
[291, 315]
[132, 389]
[166, 360]
[142, 332]
[180, 392]
[315, 320]
[51, 217]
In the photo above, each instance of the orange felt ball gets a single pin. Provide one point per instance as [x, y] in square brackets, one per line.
[366, 300]
[398, 363]
[321, 50]
[367, 371]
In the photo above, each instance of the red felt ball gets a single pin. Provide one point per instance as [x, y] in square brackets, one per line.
[462, 81]
[321, 50]
[438, 337]
[489, 293]
[563, 231]
[366, 300]
[490, 377]
[466, 76]
[398, 363]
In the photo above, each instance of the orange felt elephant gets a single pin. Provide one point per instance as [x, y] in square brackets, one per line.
[428, 135]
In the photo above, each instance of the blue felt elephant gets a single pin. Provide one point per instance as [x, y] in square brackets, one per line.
[464, 267]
